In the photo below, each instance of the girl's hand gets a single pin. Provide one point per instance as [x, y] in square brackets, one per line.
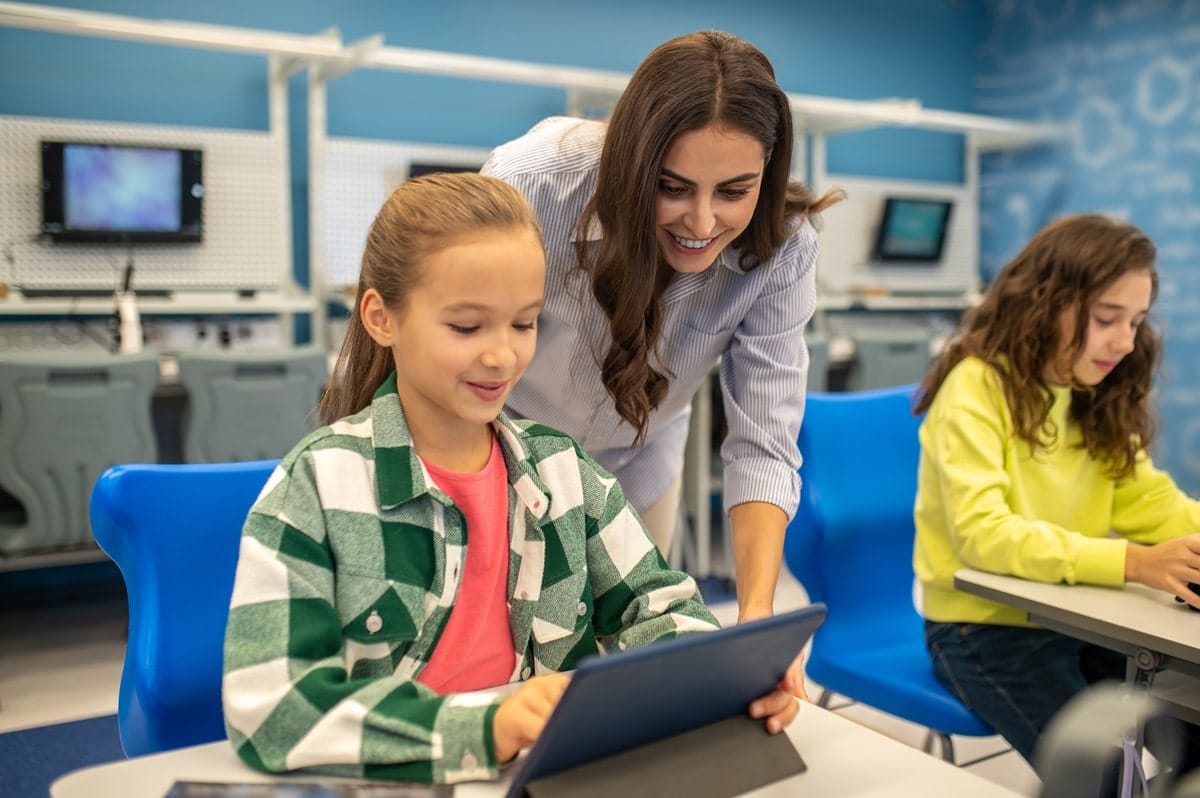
[1168, 566]
[520, 718]
[780, 706]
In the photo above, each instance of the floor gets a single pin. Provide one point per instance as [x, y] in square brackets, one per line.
[64, 663]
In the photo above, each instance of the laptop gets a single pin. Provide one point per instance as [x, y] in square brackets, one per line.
[621, 701]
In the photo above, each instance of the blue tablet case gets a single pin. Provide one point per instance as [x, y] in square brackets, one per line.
[621, 701]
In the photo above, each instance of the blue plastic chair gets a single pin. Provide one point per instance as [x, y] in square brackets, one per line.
[174, 531]
[851, 546]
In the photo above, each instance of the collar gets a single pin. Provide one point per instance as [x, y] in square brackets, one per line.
[401, 477]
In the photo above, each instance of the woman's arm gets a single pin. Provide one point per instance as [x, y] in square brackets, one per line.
[763, 377]
[757, 530]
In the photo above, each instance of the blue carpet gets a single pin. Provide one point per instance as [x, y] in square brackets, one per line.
[715, 589]
[31, 759]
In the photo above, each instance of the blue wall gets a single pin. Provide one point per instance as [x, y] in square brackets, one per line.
[858, 49]
[1125, 78]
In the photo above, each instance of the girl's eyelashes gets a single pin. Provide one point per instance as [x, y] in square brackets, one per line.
[1108, 322]
[735, 193]
[462, 329]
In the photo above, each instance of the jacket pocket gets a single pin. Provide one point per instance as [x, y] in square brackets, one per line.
[375, 610]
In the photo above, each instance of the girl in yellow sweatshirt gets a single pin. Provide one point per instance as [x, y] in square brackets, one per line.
[1034, 464]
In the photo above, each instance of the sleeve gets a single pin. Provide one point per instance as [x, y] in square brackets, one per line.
[289, 702]
[638, 599]
[763, 376]
[1149, 508]
[965, 436]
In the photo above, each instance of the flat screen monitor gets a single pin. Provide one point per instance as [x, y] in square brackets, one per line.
[912, 229]
[416, 169]
[121, 193]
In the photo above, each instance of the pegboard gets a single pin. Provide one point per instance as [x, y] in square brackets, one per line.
[848, 235]
[247, 224]
[358, 175]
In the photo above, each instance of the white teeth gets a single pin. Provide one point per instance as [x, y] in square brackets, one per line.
[692, 243]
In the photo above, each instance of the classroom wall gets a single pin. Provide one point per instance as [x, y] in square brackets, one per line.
[856, 49]
[1124, 75]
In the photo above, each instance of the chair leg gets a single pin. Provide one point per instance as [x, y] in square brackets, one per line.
[825, 697]
[947, 745]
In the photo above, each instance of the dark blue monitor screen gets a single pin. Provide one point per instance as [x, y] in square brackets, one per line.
[912, 229]
[103, 192]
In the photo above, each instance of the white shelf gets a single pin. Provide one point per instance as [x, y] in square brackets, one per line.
[836, 302]
[180, 303]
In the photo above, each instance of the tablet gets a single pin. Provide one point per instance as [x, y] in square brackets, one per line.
[619, 701]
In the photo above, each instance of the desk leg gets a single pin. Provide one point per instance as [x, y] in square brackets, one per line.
[1139, 677]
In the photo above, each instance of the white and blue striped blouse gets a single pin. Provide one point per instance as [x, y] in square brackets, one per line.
[751, 322]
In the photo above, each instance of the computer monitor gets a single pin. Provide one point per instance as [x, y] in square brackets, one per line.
[912, 229]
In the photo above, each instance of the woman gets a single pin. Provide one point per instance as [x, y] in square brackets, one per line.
[675, 241]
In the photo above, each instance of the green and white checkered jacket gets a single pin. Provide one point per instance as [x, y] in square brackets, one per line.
[349, 567]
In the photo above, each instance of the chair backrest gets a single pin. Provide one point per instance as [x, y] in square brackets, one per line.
[888, 356]
[64, 418]
[174, 531]
[249, 404]
[851, 541]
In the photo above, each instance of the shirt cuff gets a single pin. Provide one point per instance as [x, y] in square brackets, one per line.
[761, 479]
[464, 726]
[1099, 561]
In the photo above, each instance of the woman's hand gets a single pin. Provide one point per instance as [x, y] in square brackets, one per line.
[1168, 566]
[520, 718]
[780, 706]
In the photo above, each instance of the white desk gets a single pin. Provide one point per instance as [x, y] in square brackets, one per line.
[1147, 625]
[1144, 624]
[844, 759]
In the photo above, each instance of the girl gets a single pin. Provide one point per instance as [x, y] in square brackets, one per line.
[1034, 451]
[675, 240]
[422, 545]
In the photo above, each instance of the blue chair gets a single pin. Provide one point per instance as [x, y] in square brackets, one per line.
[851, 546]
[174, 531]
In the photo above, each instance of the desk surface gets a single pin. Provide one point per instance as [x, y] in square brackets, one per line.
[843, 758]
[1126, 619]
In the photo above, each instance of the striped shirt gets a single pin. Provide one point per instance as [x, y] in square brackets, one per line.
[350, 564]
[751, 322]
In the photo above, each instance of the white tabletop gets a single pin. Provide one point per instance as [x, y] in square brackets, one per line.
[1130, 619]
[844, 759]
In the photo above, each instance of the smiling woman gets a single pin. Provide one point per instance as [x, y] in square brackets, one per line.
[674, 240]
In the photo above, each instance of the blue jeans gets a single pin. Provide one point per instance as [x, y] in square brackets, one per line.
[1015, 678]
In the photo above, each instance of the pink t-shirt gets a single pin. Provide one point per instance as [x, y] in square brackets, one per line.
[476, 647]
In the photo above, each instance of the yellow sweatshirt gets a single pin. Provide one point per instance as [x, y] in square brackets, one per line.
[985, 501]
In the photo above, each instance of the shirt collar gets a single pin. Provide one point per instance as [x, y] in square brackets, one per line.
[400, 476]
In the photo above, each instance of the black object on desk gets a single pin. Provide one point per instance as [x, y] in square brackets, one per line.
[1195, 589]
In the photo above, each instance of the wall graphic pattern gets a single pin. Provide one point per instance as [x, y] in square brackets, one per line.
[1124, 76]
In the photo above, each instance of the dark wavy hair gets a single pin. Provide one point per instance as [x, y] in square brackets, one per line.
[1015, 329]
[421, 217]
[685, 84]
